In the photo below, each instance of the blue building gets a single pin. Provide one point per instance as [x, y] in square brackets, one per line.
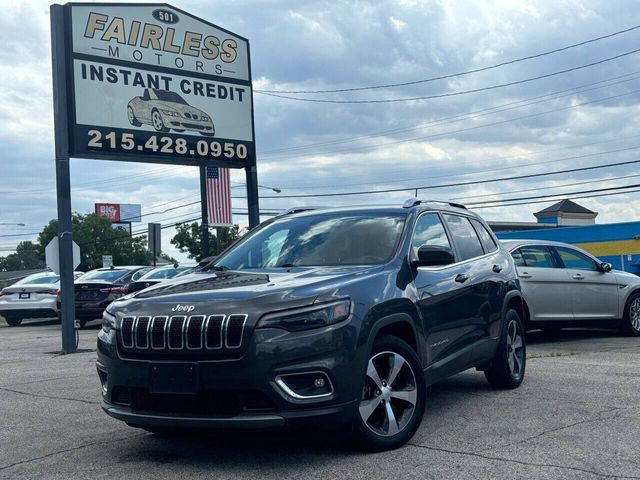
[566, 221]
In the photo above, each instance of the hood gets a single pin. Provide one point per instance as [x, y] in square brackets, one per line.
[269, 288]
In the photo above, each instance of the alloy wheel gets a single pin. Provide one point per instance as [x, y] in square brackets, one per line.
[158, 124]
[515, 349]
[390, 394]
[130, 115]
[634, 314]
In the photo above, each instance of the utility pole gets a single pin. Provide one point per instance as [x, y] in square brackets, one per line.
[204, 239]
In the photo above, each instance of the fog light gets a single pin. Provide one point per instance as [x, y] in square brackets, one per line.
[305, 385]
[103, 381]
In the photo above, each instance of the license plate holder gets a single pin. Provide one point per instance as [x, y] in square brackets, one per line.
[24, 296]
[174, 378]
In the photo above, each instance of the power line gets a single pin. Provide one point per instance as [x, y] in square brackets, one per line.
[463, 92]
[558, 197]
[469, 115]
[443, 77]
[462, 130]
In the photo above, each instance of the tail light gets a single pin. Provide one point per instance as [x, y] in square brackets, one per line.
[49, 292]
[2, 292]
[116, 290]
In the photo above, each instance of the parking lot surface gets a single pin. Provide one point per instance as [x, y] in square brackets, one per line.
[577, 415]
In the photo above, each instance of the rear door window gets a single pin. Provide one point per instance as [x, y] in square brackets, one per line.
[464, 237]
[537, 256]
[487, 240]
[518, 259]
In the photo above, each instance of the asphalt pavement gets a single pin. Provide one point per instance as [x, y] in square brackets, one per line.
[576, 416]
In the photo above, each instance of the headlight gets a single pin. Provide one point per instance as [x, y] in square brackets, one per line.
[205, 118]
[171, 113]
[309, 317]
[108, 322]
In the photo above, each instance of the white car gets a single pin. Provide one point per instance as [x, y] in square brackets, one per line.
[32, 297]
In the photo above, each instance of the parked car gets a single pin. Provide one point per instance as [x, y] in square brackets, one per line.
[165, 110]
[31, 297]
[98, 288]
[156, 276]
[337, 317]
[564, 286]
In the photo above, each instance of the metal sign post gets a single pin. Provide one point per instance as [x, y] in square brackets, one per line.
[63, 187]
[204, 239]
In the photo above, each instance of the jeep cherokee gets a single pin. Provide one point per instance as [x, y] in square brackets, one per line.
[335, 317]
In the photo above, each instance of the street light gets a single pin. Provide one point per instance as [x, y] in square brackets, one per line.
[20, 224]
[275, 189]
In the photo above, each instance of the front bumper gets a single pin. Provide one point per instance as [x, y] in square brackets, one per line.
[239, 391]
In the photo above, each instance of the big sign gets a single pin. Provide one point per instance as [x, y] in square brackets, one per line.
[154, 83]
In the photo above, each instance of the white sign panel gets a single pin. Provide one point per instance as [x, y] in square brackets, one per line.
[52, 255]
[107, 261]
[154, 83]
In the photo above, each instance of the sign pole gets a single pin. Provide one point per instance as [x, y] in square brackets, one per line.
[63, 187]
[204, 240]
[252, 196]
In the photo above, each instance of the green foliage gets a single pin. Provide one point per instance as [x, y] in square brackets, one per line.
[27, 257]
[188, 238]
[95, 237]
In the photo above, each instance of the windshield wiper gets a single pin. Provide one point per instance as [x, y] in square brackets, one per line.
[286, 265]
[217, 268]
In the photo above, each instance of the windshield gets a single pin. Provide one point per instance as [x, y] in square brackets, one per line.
[162, 273]
[319, 240]
[106, 275]
[167, 96]
[39, 280]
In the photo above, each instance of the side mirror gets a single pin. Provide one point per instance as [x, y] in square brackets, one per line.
[605, 267]
[434, 256]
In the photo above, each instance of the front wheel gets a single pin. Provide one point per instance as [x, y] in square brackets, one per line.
[158, 122]
[631, 319]
[506, 369]
[393, 396]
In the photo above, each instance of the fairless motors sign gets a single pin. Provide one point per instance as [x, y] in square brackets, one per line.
[153, 83]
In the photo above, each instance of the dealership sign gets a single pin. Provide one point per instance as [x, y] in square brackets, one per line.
[120, 212]
[152, 83]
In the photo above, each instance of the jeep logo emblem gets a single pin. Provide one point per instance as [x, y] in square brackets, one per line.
[183, 308]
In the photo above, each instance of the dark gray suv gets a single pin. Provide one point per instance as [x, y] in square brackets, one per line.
[335, 317]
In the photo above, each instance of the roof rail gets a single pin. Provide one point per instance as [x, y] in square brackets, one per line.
[292, 210]
[412, 202]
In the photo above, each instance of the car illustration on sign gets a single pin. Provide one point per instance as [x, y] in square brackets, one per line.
[165, 110]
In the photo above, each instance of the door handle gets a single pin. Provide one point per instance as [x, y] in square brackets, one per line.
[497, 268]
[577, 276]
[524, 275]
[462, 277]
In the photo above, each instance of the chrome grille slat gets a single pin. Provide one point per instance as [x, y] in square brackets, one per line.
[233, 331]
[164, 333]
[213, 332]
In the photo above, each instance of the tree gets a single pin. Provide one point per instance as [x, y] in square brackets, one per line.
[95, 237]
[188, 238]
[27, 257]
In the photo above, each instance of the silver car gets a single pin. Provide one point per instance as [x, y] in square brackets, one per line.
[165, 110]
[564, 286]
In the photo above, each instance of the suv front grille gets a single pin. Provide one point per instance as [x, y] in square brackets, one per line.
[179, 333]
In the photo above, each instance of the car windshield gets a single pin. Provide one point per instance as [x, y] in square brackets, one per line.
[318, 240]
[162, 273]
[106, 275]
[167, 96]
[39, 280]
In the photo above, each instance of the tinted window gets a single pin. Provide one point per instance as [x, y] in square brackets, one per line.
[106, 275]
[429, 231]
[537, 257]
[487, 240]
[318, 240]
[574, 259]
[517, 258]
[464, 237]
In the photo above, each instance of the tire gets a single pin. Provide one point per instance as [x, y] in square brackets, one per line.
[404, 397]
[132, 117]
[507, 368]
[631, 320]
[13, 319]
[158, 122]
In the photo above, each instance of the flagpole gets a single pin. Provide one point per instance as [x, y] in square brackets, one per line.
[204, 239]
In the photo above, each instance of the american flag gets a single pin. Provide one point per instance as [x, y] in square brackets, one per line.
[218, 196]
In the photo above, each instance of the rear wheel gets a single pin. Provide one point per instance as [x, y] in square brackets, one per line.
[507, 368]
[13, 319]
[631, 320]
[393, 396]
[132, 117]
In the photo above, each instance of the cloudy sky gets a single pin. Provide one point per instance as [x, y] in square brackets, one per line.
[474, 128]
